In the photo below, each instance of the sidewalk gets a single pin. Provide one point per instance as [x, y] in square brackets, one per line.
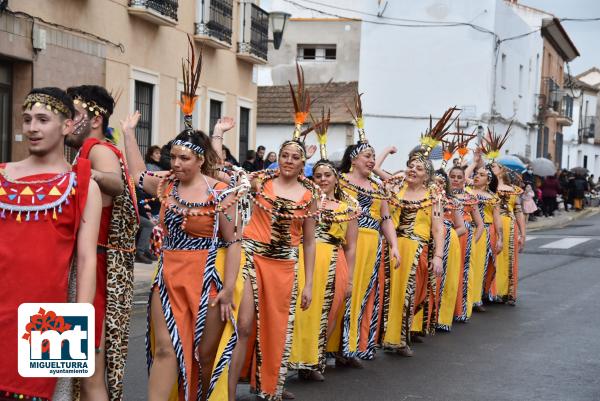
[560, 219]
[144, 273]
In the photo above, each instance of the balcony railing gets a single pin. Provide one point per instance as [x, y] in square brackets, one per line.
[214, 19]
[590, 126]
[161, 12]
[254, 33]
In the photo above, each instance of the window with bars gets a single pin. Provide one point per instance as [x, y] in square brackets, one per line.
[317, 52]
[144, 104]
[215, 114]
[244, 133]
[5, 112]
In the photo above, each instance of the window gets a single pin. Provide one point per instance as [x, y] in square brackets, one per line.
[317, 52]
[5, 112]
[143, 103]
[520, 81]
[585, 161]
[215, 113]
[244, 132]
[503, 71]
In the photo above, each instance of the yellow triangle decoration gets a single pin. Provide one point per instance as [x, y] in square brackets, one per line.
[19, 217]
[54, 191]
[27, 191]
[2, 191]
[54, 215]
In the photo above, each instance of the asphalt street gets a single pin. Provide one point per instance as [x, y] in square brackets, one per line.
[545, 348]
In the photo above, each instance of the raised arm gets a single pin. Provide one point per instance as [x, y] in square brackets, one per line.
[135, 161]
[477, 162]
[390, 150]
[87, 240]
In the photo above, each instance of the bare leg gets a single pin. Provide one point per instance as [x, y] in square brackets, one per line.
[164, 370]
[209, 343]
[94, 388]
[245, 321]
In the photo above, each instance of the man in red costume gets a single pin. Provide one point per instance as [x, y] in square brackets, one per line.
[116, 240]
[48, 211]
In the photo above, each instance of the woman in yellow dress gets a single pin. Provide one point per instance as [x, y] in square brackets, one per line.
[474, 227]
[513, 229]
[454, 228]
[336, 234]
[417, 215]
[485, 185]
[363, 319]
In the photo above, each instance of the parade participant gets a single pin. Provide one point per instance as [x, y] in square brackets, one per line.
[370, 289]
[474, 227]
[417, 217]
[116, 240]
[191, 303]
[513, 230]
[55, 208]
[283, 216]
[454, 228]
[484, 188]
[336, 234]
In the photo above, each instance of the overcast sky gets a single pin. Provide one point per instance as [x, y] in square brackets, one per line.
[585, 35]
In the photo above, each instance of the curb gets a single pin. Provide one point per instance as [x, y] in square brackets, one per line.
[590, 211]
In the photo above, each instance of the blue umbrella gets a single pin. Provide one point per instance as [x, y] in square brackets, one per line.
[308, 168]
[512, 162]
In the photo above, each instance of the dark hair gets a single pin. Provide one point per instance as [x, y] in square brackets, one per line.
[443, 174]
[149, 152]
[199, 138]
[96, 94]
[493, 184]
[347, 159]
[250, 154]
[462, 169]
[59, 95]
[260, 148]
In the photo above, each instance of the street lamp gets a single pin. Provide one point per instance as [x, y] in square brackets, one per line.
[278, 19]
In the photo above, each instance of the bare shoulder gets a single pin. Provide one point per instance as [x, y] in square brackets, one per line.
[102, 158]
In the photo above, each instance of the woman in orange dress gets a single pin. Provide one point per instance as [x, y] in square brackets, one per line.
[285, 207]
[197, 269]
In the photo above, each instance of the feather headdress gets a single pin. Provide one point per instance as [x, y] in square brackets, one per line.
[301, 101]
[436, 133]
[357, 116]
[493, 143]
[191, 68]
[320, 127]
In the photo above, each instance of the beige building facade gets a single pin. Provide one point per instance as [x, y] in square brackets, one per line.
[134, 48]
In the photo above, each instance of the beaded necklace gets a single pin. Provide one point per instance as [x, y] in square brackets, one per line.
[380, 193]
[352, 212]
[191, 205]
[266, 175]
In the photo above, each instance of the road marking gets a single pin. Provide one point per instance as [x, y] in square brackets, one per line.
[566, 243]
[530, 237]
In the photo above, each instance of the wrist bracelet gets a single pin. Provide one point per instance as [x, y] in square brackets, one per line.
[438, 256]
[217, 136]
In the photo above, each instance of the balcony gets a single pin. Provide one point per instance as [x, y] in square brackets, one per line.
[214, 20]
[589, 129]
[159, 12]
[253, 44]
[565, 111]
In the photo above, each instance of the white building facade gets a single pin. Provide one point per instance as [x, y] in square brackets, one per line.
[419, 58]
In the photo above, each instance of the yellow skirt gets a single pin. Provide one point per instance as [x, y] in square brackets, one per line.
[360, 321]
[464, 300]
[478, 261]
[310, 326]
[506, 264]
[448, 282]
[402, 293]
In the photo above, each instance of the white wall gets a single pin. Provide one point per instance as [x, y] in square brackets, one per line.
[271, 136]
[573, 153]
[408, 73]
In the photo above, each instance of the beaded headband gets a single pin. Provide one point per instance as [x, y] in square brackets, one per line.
[297, 145]
[199, 150]
[422, 158]
[52, 103]
[91, 106]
